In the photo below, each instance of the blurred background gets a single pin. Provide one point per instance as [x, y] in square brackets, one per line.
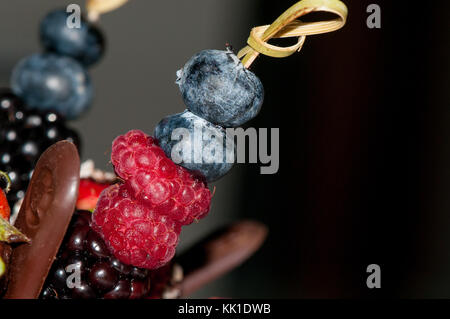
[365, 143]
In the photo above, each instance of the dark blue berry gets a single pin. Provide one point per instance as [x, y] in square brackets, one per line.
[49, 293]
[139, 273]
[139, 289]
[52, 82]
[217, 87]
[201, 145]
[85, 44]
[96, 246]
[59, 279]
[84, 291]
[120, 291]
[76, 240]
[5, 159]
[10, 104]
[103, 277]
[52, 117]
[30, 150]
[122, 268]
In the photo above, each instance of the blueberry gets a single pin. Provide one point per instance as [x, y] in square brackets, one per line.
[51, 82]
[85, 44]
[200, 151]
[217, 87]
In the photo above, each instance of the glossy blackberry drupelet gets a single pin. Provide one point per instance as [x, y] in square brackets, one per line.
[102, 275]
[205, 149]
[85, 44]
[217, 87]
[52, 82]
[24, 136]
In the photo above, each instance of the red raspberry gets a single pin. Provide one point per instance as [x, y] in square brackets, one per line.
[132, 152]
[135, 233]
[156, 181]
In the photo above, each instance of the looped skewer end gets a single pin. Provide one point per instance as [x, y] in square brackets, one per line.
[287, 26]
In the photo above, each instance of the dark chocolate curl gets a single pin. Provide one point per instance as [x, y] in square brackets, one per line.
[44, 217]
[219, 253]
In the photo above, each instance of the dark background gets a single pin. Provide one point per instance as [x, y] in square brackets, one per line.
[365, 164]
[365, 142]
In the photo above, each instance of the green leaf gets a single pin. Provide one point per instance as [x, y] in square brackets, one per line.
[10, 234]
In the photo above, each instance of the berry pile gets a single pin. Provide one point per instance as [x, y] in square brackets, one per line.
[58, 79]
[52, 85]
[101, 274]
[24, 135]
[141, 219]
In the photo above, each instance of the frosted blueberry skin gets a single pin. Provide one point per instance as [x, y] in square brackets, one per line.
[210, 170]
[52, 82]
[216, 86]
[85, 44]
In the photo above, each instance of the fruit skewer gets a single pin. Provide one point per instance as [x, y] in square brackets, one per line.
[139, 219]
[47, 90]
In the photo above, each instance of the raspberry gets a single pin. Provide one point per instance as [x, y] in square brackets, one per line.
[140, 220]
[155, 181]
[132, 152]
[135, 233]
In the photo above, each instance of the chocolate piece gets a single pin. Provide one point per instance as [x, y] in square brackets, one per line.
[219, 253]
[44, 217]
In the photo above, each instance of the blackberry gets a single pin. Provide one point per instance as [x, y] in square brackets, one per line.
[101, 274]
[24, 136]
